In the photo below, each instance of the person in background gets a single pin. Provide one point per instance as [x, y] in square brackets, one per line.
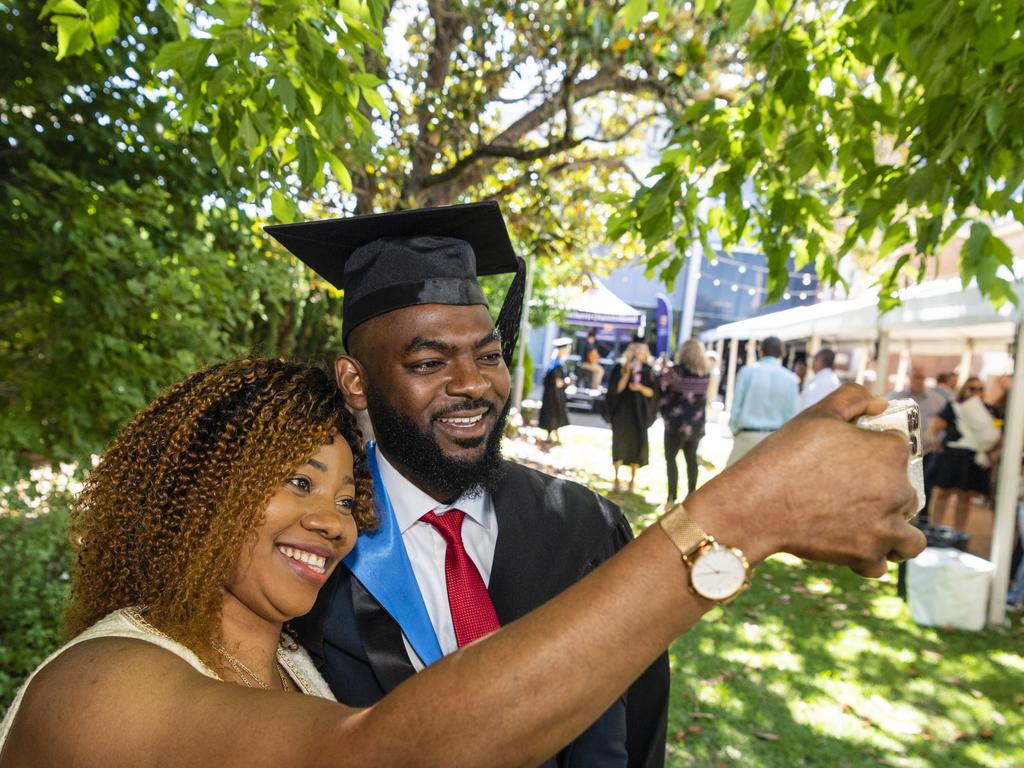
[591, 362]
[929, 401]
[824, 382]
[553, 412]
[683, 392]
[767, 396]
[800, 369]
[632, 407]
[955, 471]
[714, 367]
[945, 385]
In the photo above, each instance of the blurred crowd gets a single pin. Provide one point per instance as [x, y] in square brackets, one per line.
[962, 419]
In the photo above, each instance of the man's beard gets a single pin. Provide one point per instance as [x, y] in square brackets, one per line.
[418, 451]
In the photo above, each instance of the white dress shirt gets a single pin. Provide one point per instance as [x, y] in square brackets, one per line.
[426, 548]
[824, 383]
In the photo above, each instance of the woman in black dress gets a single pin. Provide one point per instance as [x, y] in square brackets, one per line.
[954, 471]
[553, 413]
[683, 398]
[632, 408]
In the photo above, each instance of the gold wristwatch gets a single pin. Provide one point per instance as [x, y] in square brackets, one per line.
[717, 572]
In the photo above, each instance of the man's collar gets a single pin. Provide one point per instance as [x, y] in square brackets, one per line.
[411, 503]
[769, 359]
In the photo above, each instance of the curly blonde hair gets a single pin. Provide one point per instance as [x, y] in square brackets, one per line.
[163, 518]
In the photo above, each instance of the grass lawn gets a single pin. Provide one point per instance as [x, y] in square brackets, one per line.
[815, 666]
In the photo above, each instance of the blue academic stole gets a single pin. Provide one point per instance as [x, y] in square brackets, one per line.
[382, 565]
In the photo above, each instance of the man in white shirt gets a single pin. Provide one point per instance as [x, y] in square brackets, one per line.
[824, 381]
[466, 541]
[767, 396]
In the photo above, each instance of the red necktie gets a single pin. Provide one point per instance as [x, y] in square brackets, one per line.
[473, 613]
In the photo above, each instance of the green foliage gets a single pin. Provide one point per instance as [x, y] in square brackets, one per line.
[280, 88]
[35, 561]
[128, 259]
[871, 124]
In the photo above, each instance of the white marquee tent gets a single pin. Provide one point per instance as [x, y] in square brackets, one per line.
[933, 318]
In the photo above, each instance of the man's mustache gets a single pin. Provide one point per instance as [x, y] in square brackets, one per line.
[474, 405]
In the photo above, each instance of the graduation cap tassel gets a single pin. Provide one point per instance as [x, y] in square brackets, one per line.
[510, 316]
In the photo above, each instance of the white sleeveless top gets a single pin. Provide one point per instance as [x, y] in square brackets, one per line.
[130, 624]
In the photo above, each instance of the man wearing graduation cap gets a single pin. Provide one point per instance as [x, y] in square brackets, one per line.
[466, 541]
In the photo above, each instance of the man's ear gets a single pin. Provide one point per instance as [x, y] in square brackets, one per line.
[350, 375]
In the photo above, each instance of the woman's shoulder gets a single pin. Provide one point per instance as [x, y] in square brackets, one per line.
[120, 642]
[95, 680]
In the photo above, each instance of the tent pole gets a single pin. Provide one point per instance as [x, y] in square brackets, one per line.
[901, 370]
[1007, 486]
[964, 370]
[812, 350]
[882, 364]
[858, 363]
[730, 377]
[717, 374]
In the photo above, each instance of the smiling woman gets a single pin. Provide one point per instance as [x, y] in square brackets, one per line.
[190, 503]
[223, 507]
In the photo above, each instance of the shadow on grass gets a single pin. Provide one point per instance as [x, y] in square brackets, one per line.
[814, 666]
[839, 681]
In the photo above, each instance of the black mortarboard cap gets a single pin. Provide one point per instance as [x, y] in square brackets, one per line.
[387, 261]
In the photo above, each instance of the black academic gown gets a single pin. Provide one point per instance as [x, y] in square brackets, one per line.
[551, 532]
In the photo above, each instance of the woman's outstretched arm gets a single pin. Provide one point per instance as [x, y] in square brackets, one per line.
[818, 488]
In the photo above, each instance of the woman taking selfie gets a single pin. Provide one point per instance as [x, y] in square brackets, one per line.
[221, 509]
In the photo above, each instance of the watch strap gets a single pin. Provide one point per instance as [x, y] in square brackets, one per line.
[685, 533]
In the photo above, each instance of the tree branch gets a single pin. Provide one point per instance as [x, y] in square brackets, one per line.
[444, 186]
[448, 27]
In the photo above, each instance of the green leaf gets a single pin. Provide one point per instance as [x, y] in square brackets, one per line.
[105, 18]
[919, 188]
[895, 236]
[739, 12]
[331, 116]
[1001, 252]
[366, 80]
[232, 12]
[285, 92]
[308, 163]
[632, 12]
[63, 8]
[247, 132]
[976, 242]
[994, 117]
[282, 207]
[374, 99]
[802, 159]
[72, 36]
[341, 174]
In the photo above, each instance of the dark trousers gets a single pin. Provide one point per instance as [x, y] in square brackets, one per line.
[673, 443]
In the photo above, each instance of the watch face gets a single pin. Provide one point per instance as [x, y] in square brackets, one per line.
[719, 573]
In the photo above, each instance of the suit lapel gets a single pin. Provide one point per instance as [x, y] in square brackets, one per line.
[382, 639]
[519, 580]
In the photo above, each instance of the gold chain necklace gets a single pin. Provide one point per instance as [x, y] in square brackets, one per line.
[246, 674]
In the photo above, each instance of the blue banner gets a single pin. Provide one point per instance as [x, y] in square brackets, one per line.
[663, 326]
